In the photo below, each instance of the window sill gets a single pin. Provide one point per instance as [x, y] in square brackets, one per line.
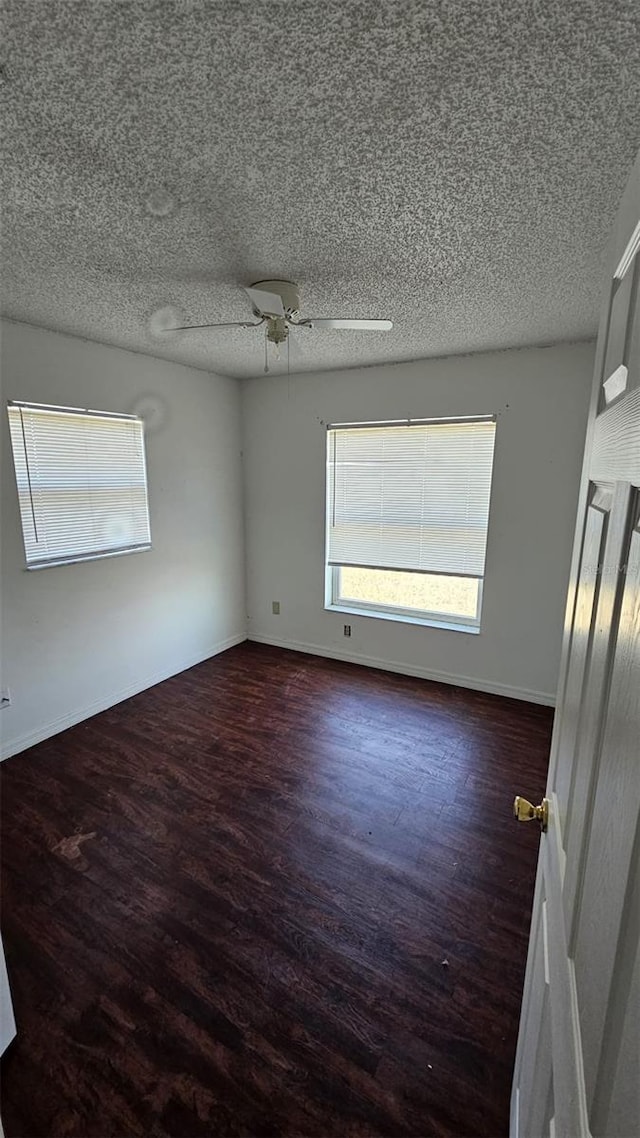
[79, 558]
[400, 618]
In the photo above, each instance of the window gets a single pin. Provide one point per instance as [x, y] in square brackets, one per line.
[82, 483]
[407, 516]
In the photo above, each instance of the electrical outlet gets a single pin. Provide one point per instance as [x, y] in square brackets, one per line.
[5, 697]
[275, 608]
[347, 630]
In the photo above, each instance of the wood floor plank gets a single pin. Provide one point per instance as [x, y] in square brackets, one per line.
[274, 895]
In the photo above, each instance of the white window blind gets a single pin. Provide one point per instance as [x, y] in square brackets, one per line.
[82, 483]
[411, 495]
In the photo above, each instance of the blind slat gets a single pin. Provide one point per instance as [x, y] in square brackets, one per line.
[82, 483]
[411, 496]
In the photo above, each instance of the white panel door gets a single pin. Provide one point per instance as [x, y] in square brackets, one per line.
[577, 1067]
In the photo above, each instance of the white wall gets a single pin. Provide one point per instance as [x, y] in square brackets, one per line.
[541, 398]
[78, 638]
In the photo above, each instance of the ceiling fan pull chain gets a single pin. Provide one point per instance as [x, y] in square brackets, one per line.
[266, 352]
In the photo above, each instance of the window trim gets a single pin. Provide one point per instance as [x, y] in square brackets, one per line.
[451, 622]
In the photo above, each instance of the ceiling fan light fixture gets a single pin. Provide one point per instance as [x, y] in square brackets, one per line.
[277, 329]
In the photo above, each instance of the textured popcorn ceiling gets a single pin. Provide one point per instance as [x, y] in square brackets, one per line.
[454, 166]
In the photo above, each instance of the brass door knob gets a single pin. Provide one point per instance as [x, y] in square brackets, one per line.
[525, 811]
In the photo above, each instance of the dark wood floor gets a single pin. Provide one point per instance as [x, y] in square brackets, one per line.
[275, 895]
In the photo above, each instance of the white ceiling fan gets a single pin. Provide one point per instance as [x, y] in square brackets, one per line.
[276, 304]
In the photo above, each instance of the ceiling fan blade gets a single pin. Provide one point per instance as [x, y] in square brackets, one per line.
[166, 320]
[266, 303]
[228, 324]
[352, 325]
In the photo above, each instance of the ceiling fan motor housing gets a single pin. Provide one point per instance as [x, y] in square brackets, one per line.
[287, 291]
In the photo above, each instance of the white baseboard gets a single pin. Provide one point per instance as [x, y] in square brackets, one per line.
[15, 746]
[546, 698]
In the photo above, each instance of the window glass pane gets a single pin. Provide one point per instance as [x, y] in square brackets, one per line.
[420, 592]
